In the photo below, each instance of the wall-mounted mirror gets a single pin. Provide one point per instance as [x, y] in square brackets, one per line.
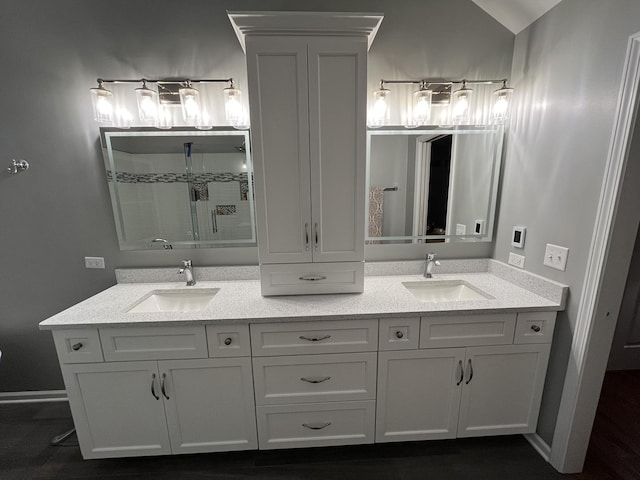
[432, 185]
[180, 188]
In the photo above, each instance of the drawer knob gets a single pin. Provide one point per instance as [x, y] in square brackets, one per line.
[316, 426]
[315, 379]
[314, 339]
[227, 341]
[76, 346]
[399, 334]
[535, 328]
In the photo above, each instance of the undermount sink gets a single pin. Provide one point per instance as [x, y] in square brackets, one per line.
[445, 291]
[180, 300]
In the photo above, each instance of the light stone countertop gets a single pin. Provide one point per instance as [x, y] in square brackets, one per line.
[240, 302]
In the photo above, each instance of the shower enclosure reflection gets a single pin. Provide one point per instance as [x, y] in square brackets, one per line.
[180, 189]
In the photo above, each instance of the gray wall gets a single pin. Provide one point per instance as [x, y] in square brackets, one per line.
[567, 69]
[59, 211]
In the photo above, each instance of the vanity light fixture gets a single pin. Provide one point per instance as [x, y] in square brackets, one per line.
[155, 105]
[438, 92]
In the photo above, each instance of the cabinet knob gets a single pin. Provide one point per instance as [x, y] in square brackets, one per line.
[227, 341]
[399, 334]
[535, 328]
[76, 346]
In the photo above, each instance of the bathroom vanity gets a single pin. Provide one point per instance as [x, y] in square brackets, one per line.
[244, 371]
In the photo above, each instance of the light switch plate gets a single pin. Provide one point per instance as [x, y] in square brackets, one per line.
[479, 227]
[556, 257]
[94, 262]
[516, 260]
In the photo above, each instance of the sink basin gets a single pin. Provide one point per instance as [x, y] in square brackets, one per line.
[445, 291]
[181, 300]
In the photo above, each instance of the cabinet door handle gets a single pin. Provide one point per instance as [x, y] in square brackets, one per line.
[76, 346]
[470, 373]
[461, 372]
[164, 392]
[306, 236]
[313, 278]
[153, 387]
[315, 379]
[316, 426]
[314, 339]
[317, 235]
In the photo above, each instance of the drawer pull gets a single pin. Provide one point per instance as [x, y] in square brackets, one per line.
[164, 392]
[227, 341]
[316, 426]
[313, 278]
[315, 379]
[153, 387]
[399, 334]
[461, 373]
[314, 339]
[535, 328]
[76, 346]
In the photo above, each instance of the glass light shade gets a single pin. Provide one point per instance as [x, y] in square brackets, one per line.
[124, 119]
[233, 106]
[102, 101]
[165, 118]
[204, 122]
[190, 101]
[502, 103]
[379, 114]
[461, 100]
[422, 107]
[147, 100]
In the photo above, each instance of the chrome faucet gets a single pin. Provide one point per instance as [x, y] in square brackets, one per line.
[188, 273]
[431, 262]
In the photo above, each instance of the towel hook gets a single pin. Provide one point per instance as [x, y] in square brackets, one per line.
[18, 167]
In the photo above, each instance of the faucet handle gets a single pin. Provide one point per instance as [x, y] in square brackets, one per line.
[186, 263]
[431, 256]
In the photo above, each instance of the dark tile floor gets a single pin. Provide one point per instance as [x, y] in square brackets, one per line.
[25, 454]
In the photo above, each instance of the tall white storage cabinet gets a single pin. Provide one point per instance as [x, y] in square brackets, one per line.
[307, 91]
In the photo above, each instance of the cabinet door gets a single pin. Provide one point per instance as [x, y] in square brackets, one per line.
[278, 97]
[337, 122]
[502, 389]
[209, 404]
[117, 409]
[418, 394]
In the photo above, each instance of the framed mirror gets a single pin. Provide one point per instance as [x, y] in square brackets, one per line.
[180, 188]
[433, 184]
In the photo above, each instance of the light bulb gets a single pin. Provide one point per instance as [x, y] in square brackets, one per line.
[204, 122]
[379, 114]
[233, 107]
[461, 99]
[165, 119]
[190, 100]
[422, 107]
[102, 102]
[501, 106]
[147, 100]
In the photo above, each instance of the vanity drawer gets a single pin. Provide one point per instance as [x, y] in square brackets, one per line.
[467, 330]
[78, 345]
[153, 343]
[316, 424]
[399, 333]
[299, 338]
[311, 278]
[535, 327]
[315, 378]
[228, 340]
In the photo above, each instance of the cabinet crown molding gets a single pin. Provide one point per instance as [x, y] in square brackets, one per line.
[305, 23]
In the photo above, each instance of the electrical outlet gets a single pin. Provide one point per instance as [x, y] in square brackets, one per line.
[94, 262]
[556, 257]
[461, 229]
[516, 260]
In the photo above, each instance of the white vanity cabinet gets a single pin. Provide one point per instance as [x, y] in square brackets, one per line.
[307, 77]
[434, 393]
[155, 407]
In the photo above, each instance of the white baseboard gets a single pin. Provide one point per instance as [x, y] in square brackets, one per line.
[34, 396]
[539, 444]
